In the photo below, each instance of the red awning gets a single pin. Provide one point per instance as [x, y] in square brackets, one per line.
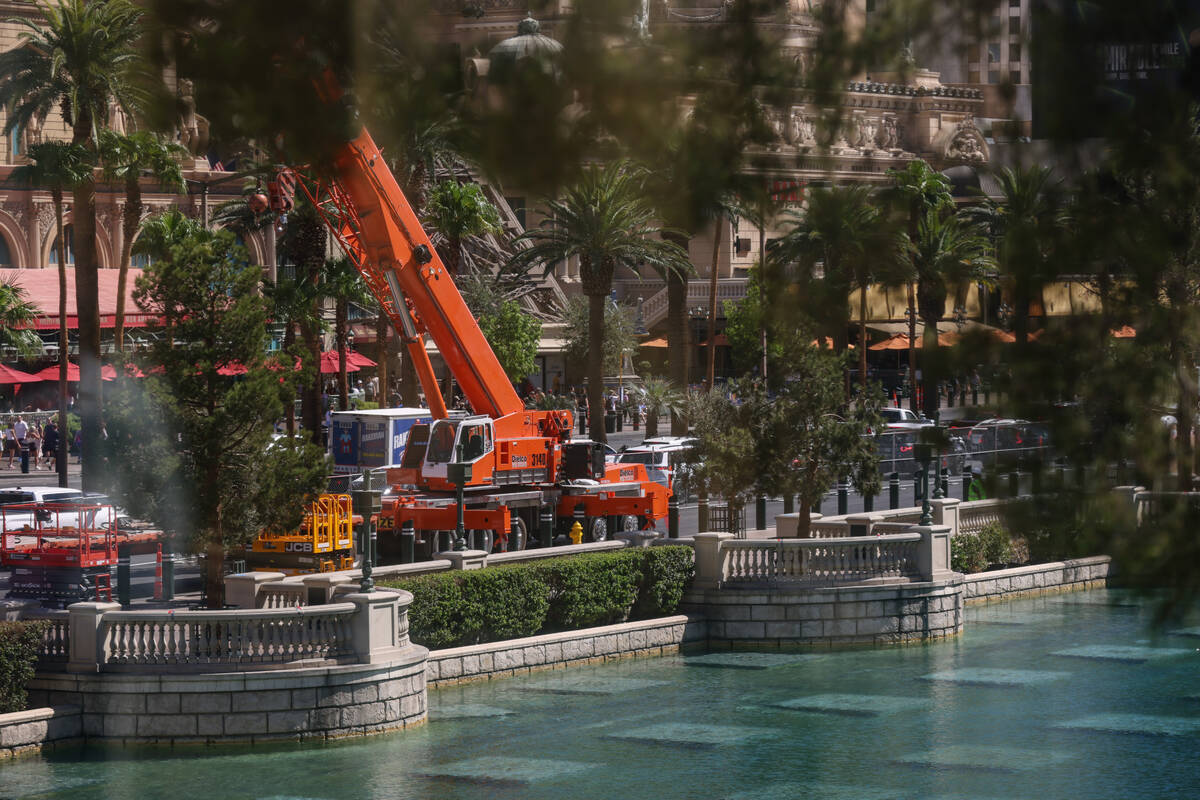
[41, 289]
[8, 376]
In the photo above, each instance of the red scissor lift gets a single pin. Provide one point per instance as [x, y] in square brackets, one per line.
[59, 553]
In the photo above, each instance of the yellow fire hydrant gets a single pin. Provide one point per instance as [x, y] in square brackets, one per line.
[576, 533]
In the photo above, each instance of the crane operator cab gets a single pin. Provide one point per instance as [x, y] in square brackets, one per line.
[446, 436]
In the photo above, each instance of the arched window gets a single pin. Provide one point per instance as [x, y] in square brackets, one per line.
[6, 261]
[69, 230]
[140, 260]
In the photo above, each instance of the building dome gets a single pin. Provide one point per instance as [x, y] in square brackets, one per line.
[528, 47]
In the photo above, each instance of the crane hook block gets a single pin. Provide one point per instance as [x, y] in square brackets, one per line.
[422, 255]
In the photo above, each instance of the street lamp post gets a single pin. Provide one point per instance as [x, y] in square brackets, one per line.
[458, 472]
[367, 502]
[923, 455]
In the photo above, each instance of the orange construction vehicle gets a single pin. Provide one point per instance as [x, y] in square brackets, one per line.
[526, 474]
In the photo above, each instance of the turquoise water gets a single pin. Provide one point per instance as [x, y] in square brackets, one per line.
[1063, 697]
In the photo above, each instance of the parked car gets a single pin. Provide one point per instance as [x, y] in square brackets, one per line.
[664, 458]
[902, 418]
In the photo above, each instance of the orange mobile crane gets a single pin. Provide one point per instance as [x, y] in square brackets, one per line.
[525, 470]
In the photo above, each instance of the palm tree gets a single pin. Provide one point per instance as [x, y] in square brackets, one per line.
[604, 220]
[125, 158]
[161, 232]
[947, 251]
[916, 190]
[79, 60]
[294, 304]
[843, 231]
[58, 166]
[659, 396]
[1024, 221]
[459, 211]
[342, 283]
[16, 317]
[304, 243]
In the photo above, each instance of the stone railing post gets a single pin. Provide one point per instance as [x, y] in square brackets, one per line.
[933, 553]
[465, 559]
[946, 512]
[1130, 493]
[379, 628]
[88, 650]
[862, 524]
[241, 590]
[709, 562]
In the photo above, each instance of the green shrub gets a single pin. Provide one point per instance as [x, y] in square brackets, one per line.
[591, 589]
[452, 609]
[966, 554]
[667, 572]
[513, 602]
[975, 552]
[441, 614]
[19, 643]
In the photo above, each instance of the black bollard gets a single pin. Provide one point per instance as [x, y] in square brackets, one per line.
[1035, 478]
[124, 588]
[894, 490]
[168, 576]
[843, 499]
[673, 517]
[408, 542]
[868, 503]
[945, 482]
[546, 526]
[966, 483]
[582, 424]
[1014, 483]
[789, 504]
[974, 397]
[702, 514]
[760, 513]
[445, 541]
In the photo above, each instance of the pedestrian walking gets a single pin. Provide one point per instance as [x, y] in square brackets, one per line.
[50, 445]
[10, 444]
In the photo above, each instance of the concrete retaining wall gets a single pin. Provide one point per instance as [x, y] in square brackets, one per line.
[313, 703]
[39, 729]
[558, 650]
[1059, 576]
[778, 617]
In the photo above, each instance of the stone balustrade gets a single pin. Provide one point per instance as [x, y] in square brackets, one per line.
[361, 628]
[821, 561]
[223, 638]
[961, 517]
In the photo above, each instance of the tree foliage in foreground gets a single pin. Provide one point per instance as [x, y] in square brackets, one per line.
[189, 448]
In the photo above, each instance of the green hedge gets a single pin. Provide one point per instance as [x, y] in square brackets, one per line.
[559, 594]
[18, 657]
[975, 552]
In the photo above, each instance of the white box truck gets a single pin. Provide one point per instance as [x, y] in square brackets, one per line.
[371, 439]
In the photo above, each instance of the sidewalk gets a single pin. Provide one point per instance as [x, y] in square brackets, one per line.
[36, 477]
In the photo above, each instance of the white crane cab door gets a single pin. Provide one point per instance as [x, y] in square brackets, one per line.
[474, 435]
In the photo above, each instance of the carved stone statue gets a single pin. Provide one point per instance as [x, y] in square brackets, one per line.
[803, 129]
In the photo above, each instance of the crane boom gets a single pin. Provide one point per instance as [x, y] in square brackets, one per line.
[392, 241]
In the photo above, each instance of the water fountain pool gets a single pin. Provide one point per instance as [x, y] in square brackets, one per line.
[1057, 697]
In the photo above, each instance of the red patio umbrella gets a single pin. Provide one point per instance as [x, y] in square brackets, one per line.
[329, 363]
[51, 373]
[9, 375]
[359, 360]
[109, 373]
[897, 341]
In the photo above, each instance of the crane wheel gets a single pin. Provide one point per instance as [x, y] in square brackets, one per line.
[597, 529]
